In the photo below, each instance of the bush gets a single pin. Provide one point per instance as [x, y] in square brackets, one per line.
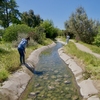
[39, 35]
[11, 33]
[1, 32]
[3, 75]
[97, 40]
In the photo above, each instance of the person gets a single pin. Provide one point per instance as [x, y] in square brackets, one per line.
[21, 49]
[67, 38]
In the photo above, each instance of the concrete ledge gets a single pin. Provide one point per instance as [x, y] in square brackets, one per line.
[17, 82]
[93, 98]
[87, 88]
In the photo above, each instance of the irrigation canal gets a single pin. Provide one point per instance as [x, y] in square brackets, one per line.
[52, 79]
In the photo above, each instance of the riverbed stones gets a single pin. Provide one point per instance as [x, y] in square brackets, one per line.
[37, 85]
[45, 78]
[33, 94]
[56, 71]
[67, 82]
[53, 77]
[75, 97]
[59, 76]
[29, 99]
[66, 76]
[51, 87]
[58, 80]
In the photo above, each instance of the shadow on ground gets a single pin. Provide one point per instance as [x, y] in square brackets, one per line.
[39, 73]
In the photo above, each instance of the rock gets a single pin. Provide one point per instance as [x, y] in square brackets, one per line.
[53, 76]
[67, 82]
[59, 76]
[55, 71]
[93, 98]
[51, 87]
[37, 85]
[34, 93]
[58, 80]
[66, 76]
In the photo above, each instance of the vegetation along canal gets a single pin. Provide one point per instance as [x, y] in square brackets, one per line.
[52, 79]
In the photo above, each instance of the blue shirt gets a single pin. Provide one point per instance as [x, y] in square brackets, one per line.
[22, 44]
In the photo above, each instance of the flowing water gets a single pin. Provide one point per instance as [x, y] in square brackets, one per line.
[52, 79]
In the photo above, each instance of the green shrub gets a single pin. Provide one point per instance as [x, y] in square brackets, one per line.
[39, 35]
[11, 33]
[3, 75]
[97, 40]
[11, 61]
[1, 32]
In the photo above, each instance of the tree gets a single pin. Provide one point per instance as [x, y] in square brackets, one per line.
[48, 26]
[39, 34]
[97, 38]
[9, 13]
[84, 29]
[30, 19]
[12, 32]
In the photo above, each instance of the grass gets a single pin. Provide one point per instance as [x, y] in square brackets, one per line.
[91, 63]
[9, 58]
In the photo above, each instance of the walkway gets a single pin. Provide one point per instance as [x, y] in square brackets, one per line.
[85, 49]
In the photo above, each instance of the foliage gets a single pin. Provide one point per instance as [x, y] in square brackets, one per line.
[97, 39]
[9, 13]
[1, 32]
[9, 60]
[47, 41]
[50, 31]
[39, 34]
[3, 74]
[61, 32]
[84, 29]
[30, 19]
[11, 33]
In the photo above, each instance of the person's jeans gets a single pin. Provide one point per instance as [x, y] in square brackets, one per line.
[22, 56]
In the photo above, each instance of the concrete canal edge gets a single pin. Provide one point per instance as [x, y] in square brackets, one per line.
[87, 89]
[17, 82]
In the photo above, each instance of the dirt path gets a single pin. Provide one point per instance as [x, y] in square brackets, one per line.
[85, 49]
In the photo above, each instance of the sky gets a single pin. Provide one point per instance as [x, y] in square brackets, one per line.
[60, 10]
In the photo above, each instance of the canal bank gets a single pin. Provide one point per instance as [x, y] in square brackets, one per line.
[16, 84]
[87, 88]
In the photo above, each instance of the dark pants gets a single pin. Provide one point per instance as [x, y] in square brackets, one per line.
[22, 56]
